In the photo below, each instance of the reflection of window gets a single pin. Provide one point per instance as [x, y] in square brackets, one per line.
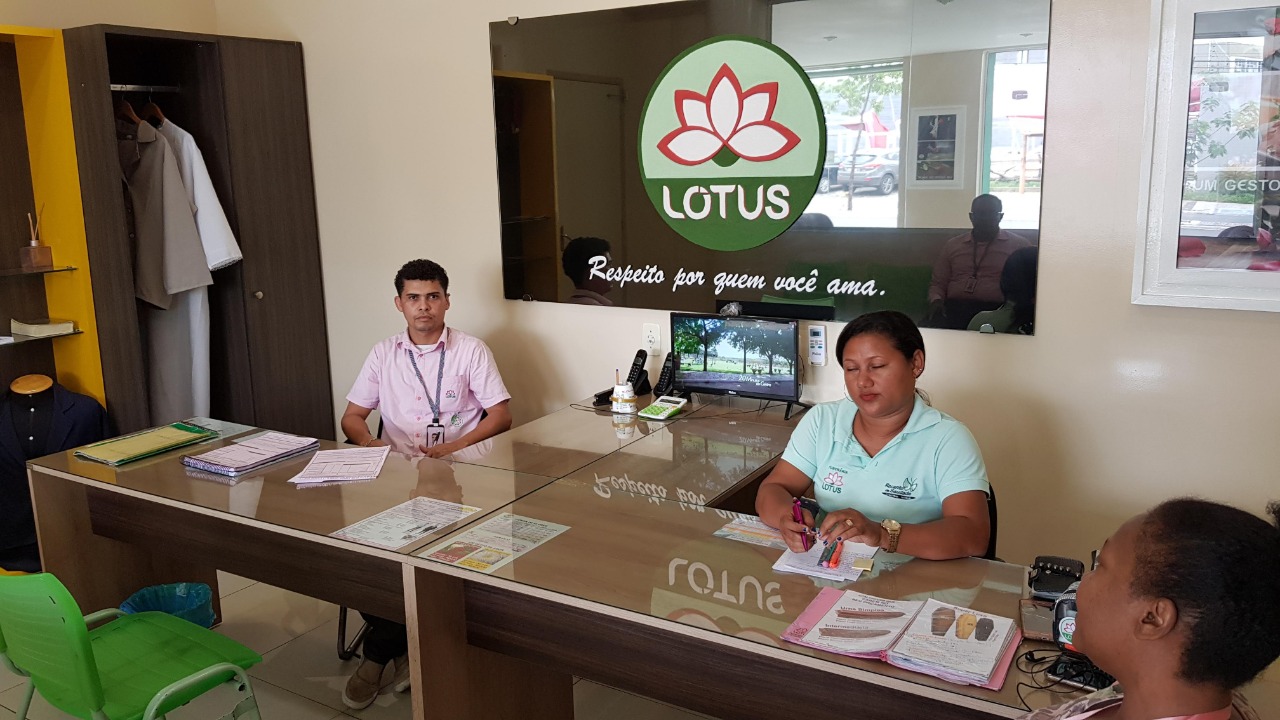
[1014, 132]
[863, 104]
[1231, 176]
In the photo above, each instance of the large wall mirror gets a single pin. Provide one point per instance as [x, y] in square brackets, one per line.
[928, 201]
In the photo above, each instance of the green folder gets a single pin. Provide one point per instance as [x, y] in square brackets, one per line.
[145, 443]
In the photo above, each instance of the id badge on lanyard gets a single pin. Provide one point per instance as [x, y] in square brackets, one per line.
[435, 434]
[435, 430]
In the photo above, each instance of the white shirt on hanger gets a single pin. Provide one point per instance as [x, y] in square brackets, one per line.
[179, 336]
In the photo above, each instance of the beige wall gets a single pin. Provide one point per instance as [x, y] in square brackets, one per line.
[1110, 408]
[189, 15]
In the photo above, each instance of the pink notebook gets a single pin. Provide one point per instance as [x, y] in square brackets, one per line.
[949, 642]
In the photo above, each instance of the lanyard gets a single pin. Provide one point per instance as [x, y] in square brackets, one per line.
[434, 402]
[978, 260]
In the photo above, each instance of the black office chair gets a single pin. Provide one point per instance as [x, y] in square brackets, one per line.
[994, 515]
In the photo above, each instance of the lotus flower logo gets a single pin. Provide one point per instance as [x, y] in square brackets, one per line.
[727, 124]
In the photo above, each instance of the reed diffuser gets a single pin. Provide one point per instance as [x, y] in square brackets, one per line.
[35, 256]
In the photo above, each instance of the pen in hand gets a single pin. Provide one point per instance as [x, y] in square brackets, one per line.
[798, 515]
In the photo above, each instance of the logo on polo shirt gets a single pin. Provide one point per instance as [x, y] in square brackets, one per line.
[833, 482]
[456, 420]
[731, 144]
[904, 491]
[451, 394]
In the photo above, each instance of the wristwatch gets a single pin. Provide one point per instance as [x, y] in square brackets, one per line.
[894, 528]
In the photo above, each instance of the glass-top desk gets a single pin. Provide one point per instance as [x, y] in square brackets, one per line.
[624, 586]
[145, 515]
[700, 461]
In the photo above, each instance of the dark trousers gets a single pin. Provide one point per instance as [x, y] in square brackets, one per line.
[386, 639]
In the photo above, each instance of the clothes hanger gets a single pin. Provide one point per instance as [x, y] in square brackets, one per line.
[125, 111]
[152, 110]
[31, 384]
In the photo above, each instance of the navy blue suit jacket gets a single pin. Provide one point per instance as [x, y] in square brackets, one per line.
[77, 420]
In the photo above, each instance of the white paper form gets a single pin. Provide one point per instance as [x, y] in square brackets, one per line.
[254, 453]
[806, 563]
[405, 523]
[495, 542]
[352, 464]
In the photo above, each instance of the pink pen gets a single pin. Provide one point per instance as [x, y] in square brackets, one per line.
[798, 516]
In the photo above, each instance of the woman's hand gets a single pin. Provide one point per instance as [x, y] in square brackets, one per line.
[850, 525]
[793, 532]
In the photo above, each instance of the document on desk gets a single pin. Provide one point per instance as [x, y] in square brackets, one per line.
[145, 443]
[237, 459]
[956, 644]
[494, 543]
[405, 523]
[751, 529]
[353, 464]
[854, 559]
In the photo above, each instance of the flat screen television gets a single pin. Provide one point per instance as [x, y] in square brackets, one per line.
[745, 356]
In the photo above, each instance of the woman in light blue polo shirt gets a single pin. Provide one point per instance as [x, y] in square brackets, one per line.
[888, 469]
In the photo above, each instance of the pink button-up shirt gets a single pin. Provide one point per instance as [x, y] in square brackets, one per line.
[388, 383]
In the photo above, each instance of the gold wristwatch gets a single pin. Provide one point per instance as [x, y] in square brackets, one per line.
[894, 528]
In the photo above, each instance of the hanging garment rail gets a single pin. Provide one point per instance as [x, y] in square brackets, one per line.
[144, 88]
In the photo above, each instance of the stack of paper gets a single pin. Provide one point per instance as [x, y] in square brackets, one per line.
[343, 465]
[146, 443]
[854, 559]
[234, 460]
[750, 529]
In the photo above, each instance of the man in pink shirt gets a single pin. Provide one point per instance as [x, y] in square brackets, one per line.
[439, 391]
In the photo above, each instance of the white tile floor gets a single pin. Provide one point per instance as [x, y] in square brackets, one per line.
[301, 677]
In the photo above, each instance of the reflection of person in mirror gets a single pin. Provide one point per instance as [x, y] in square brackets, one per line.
[1181, 611]
[1018, 283]
[887, 469]
[966, 275]
[576, 261]
[428, 379]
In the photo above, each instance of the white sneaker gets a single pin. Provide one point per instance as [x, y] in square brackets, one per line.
[402, 681]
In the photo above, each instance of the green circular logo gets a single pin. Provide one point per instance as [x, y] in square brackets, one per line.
[732, 143]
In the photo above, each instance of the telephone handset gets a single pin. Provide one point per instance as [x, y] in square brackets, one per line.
[666, 378]
[1052, 575]
[636, 375]
[637, 367]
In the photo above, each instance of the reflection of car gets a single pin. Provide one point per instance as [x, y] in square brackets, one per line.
[875, 169]
[831, 174]
[869, 168]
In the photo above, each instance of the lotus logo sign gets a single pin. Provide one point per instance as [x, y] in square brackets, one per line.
[732, 141]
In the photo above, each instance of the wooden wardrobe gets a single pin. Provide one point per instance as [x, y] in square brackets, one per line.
[244, 101]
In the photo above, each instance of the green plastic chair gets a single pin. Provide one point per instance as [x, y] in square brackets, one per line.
[135, 666]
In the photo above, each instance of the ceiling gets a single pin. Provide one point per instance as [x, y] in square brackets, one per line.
[886, 29]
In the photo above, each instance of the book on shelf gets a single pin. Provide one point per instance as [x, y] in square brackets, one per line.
[953, 643]
[42, 329]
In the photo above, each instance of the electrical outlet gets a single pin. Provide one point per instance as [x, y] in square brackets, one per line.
[651, 339]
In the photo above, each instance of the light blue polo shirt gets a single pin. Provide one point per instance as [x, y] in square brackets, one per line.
[933, 458]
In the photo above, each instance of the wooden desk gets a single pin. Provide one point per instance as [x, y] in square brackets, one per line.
[640, 595]
[637, 594]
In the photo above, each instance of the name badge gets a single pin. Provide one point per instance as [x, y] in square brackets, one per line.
[435, 435]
